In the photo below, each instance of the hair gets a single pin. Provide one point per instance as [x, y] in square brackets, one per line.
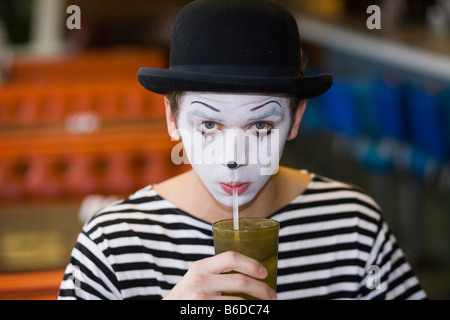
[175, 97]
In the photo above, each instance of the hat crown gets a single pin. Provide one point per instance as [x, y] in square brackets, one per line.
[238, 33]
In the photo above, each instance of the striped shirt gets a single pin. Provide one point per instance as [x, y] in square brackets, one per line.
[333, 244]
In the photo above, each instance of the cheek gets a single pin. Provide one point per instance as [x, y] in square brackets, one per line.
[270, 146]
[279, 139]
[204, 173]
[194, 143]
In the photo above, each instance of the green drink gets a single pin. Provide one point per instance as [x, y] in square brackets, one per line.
[256, 238]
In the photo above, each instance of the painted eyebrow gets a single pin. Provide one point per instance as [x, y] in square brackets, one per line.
[272, 112]
[271, 101]
[206, 105]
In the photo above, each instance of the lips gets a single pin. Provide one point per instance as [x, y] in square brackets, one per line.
[241, 187]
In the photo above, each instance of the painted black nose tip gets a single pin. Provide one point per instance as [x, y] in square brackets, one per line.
[232, 165]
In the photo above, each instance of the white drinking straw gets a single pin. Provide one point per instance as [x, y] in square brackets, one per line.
[235, 210]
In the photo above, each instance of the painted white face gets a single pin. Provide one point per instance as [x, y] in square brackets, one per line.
[233, 141]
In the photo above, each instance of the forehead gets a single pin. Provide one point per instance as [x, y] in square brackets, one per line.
[226, 100]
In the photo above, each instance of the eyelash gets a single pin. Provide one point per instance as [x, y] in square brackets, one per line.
[206, 131]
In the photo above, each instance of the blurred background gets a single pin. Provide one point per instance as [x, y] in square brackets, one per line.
[77, 131]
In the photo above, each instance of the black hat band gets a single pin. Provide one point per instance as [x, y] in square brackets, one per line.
[247, 71]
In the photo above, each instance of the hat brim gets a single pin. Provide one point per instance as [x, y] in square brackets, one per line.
[163, 81]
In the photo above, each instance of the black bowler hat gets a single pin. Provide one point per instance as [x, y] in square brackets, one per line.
[250, 46]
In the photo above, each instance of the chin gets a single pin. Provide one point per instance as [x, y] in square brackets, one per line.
[227, 200]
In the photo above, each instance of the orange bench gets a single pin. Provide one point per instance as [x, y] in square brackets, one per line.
[104, 82]
[35, 163]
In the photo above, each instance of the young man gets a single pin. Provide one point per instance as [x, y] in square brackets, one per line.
[235, 93]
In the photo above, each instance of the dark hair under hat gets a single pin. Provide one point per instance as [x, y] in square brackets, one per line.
[250, 46]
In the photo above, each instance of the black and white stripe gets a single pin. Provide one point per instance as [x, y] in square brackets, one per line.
[139, 248]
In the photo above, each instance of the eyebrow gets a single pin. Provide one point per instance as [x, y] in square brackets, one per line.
[206, 105]
[272, 112]
[271, 101]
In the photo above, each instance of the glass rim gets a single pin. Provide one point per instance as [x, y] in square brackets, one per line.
[275, 225]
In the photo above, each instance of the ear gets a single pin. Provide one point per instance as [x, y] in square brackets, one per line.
[297, 119]
[171, 122]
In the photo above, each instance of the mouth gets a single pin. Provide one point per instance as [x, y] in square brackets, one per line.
[241, 187]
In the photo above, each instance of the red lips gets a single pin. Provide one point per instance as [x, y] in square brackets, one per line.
[241, 187]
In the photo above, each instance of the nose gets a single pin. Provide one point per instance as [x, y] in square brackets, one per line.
[234, 149]
[232, 165]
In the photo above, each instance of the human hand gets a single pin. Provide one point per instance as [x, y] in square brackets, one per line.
[206, 279]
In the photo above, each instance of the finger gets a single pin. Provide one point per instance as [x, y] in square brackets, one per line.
[234, 261]
[239, 283]
[222, 297]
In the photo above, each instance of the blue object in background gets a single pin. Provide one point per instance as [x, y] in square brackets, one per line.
[425, 122]
[385, 123]
[389, 113]
[339, 109]
[444, 103]
[312, 120]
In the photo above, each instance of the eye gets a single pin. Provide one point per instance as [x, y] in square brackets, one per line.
[261, 125]
[208, 125]
[261, 128]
